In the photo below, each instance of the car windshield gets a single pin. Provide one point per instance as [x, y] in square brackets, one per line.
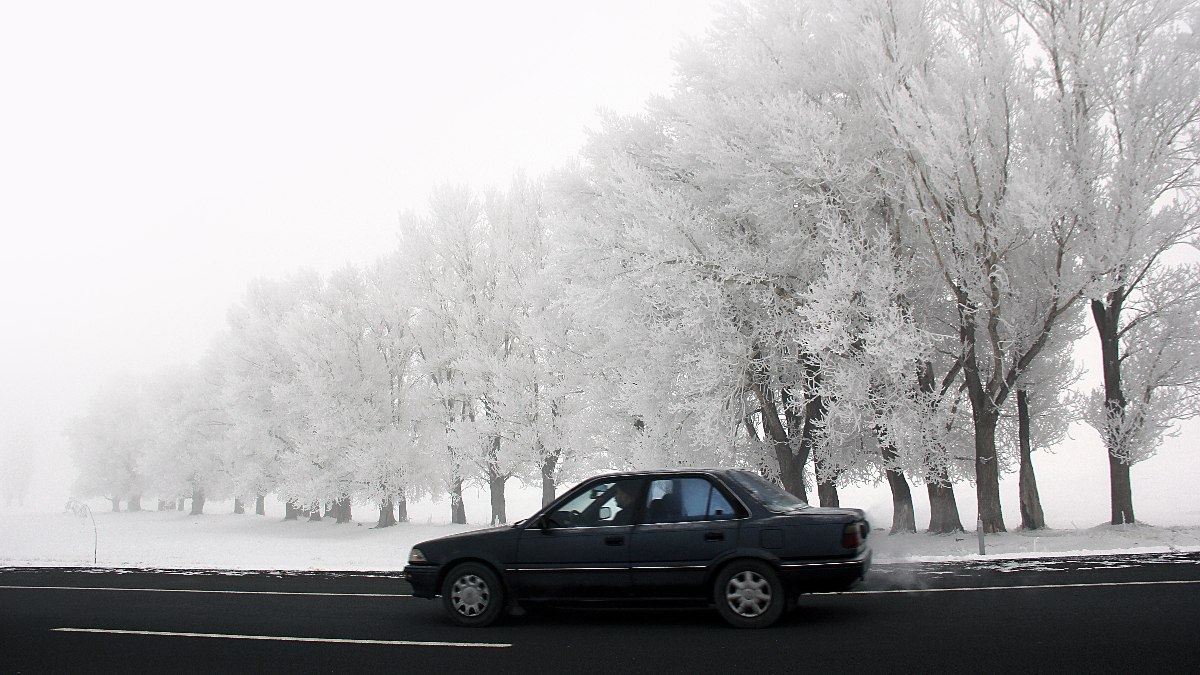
[770, 495]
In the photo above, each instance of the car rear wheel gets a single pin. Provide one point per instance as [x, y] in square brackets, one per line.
[748, 594]
[472, 595]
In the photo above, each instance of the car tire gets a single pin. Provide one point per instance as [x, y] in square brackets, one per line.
[748, 594]
[472, 595]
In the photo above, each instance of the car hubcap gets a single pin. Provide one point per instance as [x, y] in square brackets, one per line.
[748, 594]
[470, 595]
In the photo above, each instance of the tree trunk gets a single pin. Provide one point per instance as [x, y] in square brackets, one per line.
[260, 505]
[402, 507]
[387, 514]
[828, 494]
[987, 472]
[814, 413]
[943, 507]
[1120, 491]
[238, 507]
[791, 469]
[458, 510]
[179, 504]
[162, 505]
[826, 483]
[984, 417]
[904, 519]
[791, 463]
[1107, 318]
[342, 511]
[1032, 517]
[496, 490]
[985, 414]
[549, 484]
[314, 513]
[116, 503]
[135, 503]
[496, 482]
[290, 512]
[197, 501]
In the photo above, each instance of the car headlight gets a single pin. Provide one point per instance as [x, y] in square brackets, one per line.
[416, 556]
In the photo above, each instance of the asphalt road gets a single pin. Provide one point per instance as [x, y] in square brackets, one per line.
[1126, 614]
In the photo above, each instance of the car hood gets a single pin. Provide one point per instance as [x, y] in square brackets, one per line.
[492, 541]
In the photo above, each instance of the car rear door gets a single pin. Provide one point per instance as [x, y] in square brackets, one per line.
[688, 522]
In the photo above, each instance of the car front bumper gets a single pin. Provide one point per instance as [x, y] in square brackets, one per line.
[423, 579]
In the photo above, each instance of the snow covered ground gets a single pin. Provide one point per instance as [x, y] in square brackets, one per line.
[1073, 484]
[221, 540]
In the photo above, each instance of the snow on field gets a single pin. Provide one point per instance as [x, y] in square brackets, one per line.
[175, 540]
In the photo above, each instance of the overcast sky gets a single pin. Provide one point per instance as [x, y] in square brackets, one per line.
[157, 156]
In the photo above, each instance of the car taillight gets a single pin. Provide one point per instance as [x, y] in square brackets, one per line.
[852, 536]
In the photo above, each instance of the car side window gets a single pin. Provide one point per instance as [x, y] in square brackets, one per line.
[719, 507]
[681, 500]
[600, 505]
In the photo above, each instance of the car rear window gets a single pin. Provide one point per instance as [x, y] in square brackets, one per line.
[770, 495]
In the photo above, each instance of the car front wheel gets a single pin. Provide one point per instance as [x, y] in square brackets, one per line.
[748, 594]
[472, 595]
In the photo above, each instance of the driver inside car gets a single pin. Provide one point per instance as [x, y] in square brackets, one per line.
[624, 494]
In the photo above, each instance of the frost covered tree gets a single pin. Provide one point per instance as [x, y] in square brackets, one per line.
[1125, 76]
[1156, 377]
[881, 47]
[109, 441]
[344, 389]
[489, 339]
[256, 367]
[401, 470]
[466, 337]
[535, 387]
[984, 180]
[737, 243]
[1039, 415]
[437, 254]
[183, 456]
[17, 453]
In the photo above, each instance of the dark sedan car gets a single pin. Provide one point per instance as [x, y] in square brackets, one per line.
[720, 536]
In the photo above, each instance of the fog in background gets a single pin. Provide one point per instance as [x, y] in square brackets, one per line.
[156, 157]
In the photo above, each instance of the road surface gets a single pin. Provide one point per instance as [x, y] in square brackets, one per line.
[1121, 614]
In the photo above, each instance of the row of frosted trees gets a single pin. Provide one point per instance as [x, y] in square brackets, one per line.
[857, 243]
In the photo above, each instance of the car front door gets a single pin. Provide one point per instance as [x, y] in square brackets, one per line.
[582, 550]
[688, 522]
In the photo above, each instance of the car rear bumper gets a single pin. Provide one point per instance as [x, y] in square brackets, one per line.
[423, 579]
[809, 576]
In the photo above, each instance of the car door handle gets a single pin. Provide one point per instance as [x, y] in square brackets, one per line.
[614, 540]
[714, 536]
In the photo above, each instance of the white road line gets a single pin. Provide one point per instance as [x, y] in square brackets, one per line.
[1015, 588]
[1098, 584]
[282, 638]
[200, 590]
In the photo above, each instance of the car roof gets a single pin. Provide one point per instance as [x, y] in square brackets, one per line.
[665, 472]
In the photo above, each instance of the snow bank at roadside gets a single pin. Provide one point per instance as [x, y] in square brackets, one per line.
[247, 542]
[1101, 539]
